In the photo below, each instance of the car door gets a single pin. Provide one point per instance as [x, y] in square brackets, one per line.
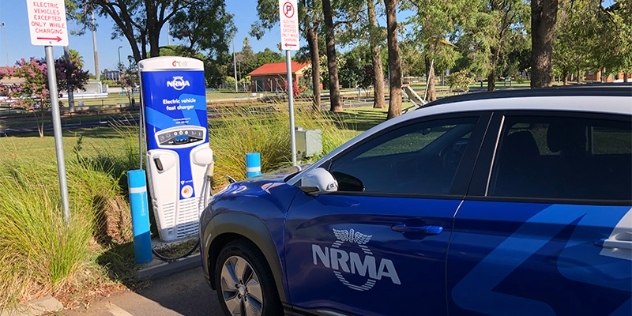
[546, 226]
[377, 246]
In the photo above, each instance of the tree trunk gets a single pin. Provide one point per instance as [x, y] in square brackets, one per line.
[332, 67]
[579, 77]
[394, 60]
[625, 77]
[432, 92]
[543, 18]
[491, 80]
[70, 89]
[565, 76]
[491, 77]
[312, 42]
[153, 28]
[378, 78]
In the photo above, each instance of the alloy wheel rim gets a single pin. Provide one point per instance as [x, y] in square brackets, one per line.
[241, 288]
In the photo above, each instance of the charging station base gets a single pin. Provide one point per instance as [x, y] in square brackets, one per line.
[158, 268]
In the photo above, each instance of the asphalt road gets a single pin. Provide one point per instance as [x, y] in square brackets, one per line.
[182, 293]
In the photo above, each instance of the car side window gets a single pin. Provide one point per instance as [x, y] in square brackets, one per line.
[563, 158]
[416, 158]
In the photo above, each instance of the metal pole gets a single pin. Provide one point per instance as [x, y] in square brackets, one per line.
[6, 43]
[168, 34]
[290, 97]
[119, 66]
[59, 147]
[94, 45]
[235, 65]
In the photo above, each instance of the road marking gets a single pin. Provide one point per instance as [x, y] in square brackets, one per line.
[117, 311]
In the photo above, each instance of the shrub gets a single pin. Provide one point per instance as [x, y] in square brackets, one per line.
[459, 80]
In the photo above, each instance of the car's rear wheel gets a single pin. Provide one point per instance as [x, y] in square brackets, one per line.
[245, 283]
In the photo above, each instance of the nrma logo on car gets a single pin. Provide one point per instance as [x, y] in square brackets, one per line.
[178, 83]
[351, 262]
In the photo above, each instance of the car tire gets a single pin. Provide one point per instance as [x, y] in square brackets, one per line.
[245, 285]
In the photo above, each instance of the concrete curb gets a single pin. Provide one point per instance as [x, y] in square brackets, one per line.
[158, 268]
[42, 306]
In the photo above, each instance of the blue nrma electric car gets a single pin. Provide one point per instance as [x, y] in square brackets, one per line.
[504, 203]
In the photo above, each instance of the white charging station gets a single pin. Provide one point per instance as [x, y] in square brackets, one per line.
[178, 154]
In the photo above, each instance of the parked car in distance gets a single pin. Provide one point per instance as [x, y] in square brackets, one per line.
[510, 202]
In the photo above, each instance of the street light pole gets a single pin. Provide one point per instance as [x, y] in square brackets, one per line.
[235, 66]
[119, 66]
[94, 46]
[6, 43]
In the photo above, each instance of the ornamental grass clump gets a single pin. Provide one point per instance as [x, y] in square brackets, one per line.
[40, 253]
[241, 130]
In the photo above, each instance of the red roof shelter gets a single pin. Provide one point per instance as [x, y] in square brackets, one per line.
[272, 76]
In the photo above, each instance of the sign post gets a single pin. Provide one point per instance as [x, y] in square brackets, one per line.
[288, 15]
[47, 23]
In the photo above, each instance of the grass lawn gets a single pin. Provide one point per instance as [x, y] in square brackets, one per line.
[32, 148]
[116, 98]
[213, 96]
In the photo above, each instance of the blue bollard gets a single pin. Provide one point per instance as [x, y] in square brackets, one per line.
[253, 164]
[137, 185]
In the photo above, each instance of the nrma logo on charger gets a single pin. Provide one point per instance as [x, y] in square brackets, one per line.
[178, 83]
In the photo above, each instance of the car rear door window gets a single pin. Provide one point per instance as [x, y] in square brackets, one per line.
[563, 158]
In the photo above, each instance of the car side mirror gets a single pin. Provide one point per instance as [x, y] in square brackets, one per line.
[318, 181]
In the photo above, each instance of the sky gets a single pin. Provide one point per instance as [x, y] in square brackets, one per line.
[15, 40]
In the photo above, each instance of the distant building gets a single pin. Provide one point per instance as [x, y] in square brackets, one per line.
[112, 75]
[596, 76]
[272, 76]
[9, 80]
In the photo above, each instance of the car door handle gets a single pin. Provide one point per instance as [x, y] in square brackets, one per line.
[426, 229]
[614, 243]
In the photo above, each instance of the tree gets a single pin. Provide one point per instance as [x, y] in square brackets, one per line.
[33, 93]
[351, 66]
[70, 76]
[204, 23]
[246, 59]
[375, 37]
[394, 61]
[357, 25]
[432, 24]
[611, 35]
[589, 36]
[543, 19]
[506, 18]
[180, 50]
[570, 51]
[332, 67]
[267, 56]
[310, 17]
[129, 79]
